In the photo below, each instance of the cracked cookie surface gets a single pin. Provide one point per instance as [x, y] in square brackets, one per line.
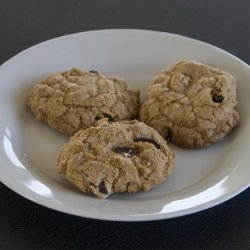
[116, 157]
[76, 99]
[191, 104]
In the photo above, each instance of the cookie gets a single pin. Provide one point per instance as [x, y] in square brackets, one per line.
[116, 157]
[191, 104]
[76, 99]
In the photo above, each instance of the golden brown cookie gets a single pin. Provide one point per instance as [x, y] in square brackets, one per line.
[191, 104]
[116, 157]
[76, 99]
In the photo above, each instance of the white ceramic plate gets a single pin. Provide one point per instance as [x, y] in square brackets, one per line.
[28, 149]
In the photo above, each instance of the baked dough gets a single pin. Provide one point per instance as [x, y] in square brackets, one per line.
[76, 99]
[191, 104]
[116, 157]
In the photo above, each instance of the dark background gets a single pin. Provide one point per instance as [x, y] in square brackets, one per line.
[25, 225]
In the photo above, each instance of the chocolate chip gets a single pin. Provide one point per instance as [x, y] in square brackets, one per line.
[102, 188]
[216, 96]
[126, 151]
[104, 115]
[168, 135]
[149, 140]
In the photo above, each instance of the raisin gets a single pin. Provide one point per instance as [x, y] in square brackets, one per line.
[216, 96]
[168, 135]
[149, 140]
[102, 188]
[126, 151]
[94, 72]
[104, 115]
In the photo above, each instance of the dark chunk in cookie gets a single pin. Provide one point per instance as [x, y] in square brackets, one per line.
[126, 151]
[168, 135]
[104, 115]
[102, 188]
[94, 72]
[149, 140]
[216, 96]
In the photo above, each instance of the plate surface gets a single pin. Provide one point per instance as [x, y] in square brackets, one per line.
[28, 149]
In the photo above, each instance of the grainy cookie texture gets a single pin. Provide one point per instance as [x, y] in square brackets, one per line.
[191, 104]
[76, 99]
[116, 157]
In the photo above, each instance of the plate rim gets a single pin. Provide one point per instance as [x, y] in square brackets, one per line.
[128, 218]
[134, 218]
[126, 30]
